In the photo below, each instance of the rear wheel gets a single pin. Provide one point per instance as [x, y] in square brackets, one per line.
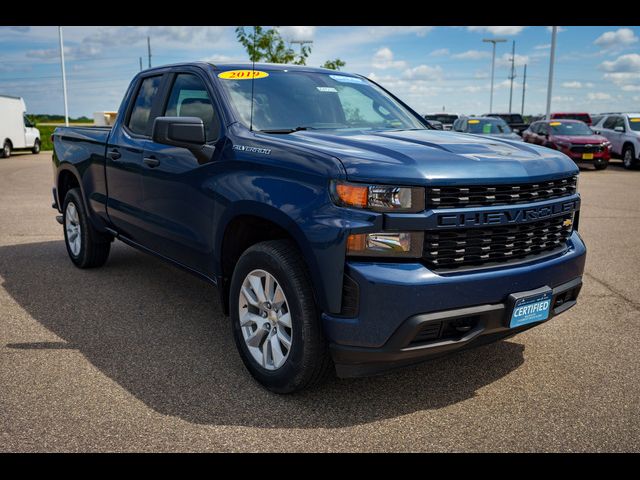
[6, 150]
[275, 320]
[629, 159]
[86, 246]
[36, 146]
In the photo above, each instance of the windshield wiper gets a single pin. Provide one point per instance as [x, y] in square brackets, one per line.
[286, 130]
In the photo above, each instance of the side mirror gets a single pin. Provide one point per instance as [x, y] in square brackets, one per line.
[186, 132]
[619, 129]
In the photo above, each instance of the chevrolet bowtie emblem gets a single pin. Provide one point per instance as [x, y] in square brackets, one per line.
[567, 223]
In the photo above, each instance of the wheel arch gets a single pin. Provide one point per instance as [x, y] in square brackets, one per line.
[248, 223]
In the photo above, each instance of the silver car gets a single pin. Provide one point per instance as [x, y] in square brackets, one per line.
[623, 131]
[490, 126]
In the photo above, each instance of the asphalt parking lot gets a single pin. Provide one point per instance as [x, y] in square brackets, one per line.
[137, 356]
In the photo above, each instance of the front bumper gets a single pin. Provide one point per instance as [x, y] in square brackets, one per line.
[598, 157]
[397, 301]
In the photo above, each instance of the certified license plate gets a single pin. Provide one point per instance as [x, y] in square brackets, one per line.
[587, 156]
[534, 308]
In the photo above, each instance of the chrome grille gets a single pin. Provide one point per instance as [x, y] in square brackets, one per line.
[478, 195]
[454, 248]
[586, 148]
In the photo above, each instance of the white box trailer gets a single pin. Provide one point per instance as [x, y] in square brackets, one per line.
[16, 131]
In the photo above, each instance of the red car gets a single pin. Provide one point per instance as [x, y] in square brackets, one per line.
[583, 117]
[573, 138]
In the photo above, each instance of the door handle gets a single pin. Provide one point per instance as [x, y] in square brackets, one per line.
[114, 155]
[151, 161]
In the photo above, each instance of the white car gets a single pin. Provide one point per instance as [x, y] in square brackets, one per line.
[16, 131]
[623, 131]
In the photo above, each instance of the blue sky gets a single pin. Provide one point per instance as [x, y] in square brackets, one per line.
[597, 68]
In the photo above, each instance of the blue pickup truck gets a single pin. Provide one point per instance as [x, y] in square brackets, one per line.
[341, 231]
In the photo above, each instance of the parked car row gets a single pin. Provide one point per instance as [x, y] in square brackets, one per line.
[587, 139]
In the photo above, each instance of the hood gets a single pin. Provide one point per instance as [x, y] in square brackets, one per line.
[425, 157]
[581, 139]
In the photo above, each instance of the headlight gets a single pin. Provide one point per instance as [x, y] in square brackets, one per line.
[386, 244]
[379, 198]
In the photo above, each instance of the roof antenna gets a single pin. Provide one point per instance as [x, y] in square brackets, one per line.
[253, 76]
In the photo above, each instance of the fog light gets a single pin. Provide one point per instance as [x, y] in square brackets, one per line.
[386, 244]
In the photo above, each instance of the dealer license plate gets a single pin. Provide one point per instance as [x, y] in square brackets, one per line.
[534, 308]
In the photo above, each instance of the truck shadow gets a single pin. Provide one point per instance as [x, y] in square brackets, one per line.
[160, 334]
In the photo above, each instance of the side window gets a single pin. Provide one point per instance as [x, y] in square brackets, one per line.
[139, 119]
[27, 122]
[619, 122]
[189, 98]
[543, 129]
[609, 123]
[534, 128]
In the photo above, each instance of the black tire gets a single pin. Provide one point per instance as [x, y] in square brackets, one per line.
[629, 159]
[36, 146]
[601, 164]
[94, 246]
[308, 361]
[6, 150]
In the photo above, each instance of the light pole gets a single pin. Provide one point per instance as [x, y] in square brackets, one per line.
[64, 78]
[551, 61]
[513, 73]
[493, 64]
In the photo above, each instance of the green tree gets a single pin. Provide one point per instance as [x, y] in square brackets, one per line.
[334, 64]
[267, 45]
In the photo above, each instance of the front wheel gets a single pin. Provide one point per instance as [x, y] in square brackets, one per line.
[36, 147]
[275, 319]
[601, 164]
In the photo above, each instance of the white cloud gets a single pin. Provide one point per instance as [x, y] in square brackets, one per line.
[574, 84]
[505, 60]
[497, 30]
[598, 96]
[624, 63]
[423, 72]
[562, 98]
[383, 59]
[545, 46]
[440, 52]
[297, 33]
[631, 88]
[616, 39]
[472, 55]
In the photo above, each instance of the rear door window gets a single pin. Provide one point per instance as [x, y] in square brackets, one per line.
[141, 111]
[609, 123]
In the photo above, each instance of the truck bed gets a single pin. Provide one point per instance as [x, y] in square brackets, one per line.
[89, 134]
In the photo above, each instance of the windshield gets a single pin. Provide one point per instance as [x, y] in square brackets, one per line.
[583, 117]
[634, 123]
[446, 119]
[289, 100]
[511, 118]
[570, 128]
[487, 126]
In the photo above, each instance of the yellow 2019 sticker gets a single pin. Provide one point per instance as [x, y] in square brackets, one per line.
[555, 124]
[473, 122]
[242, 74]
[634, 120]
